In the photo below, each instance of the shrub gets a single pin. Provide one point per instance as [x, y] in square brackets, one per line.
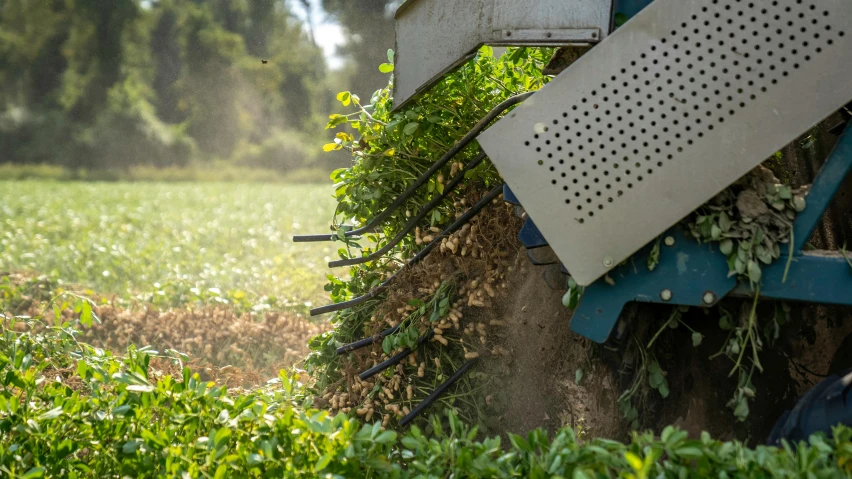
[70, 410]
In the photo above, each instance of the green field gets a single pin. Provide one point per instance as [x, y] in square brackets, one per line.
[171, 243]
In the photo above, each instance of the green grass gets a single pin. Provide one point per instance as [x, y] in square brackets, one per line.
[171, 243]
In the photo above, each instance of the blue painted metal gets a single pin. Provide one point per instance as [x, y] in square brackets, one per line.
[689, 270]
[509, 196]
[530, 236]
[629, 7]
[815, 276]
[823, 189]
[538, 259]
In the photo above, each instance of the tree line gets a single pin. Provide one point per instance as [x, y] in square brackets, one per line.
[117, 83]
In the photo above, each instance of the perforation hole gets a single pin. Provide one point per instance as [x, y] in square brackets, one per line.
[675, 93]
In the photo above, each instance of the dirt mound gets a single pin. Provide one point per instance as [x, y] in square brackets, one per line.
[537, 387]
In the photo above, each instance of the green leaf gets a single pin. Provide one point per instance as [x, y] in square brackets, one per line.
[331, 147]
[715, 232]
[664, 389]
[221, 472]
[620, 19]
[333, 121]
[410, 128]
[740, 266]
[140, 388]
[323, 462]
[52, 414]
[754, 272]
[386, 67]
[386, 437]
[696, 339]
[741, 411]
[725, 222]
[390, 55]
[130, 447]
[566, 299]
[634, 461]
[344, 97]
[689, 452]
[86, 314]
[33, 473]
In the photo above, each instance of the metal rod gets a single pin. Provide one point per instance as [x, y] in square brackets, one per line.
[823, 189]
[365, 342]
[414, 221]
[394, 359]
[417, 258]
[455, 149]
[437, 392]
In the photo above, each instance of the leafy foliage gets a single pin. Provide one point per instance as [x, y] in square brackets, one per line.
[169, 244]
[70, 410]
[391, 150]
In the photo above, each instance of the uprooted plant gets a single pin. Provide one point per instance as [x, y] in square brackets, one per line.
[429, 301]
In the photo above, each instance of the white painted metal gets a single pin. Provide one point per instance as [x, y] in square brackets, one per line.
[436, 36]
[663, 114]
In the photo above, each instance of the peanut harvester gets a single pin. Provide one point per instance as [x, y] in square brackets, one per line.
[663, 113]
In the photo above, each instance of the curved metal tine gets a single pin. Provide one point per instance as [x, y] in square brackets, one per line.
[395, 358]
[494, 193]
[437, 392]
[470, 136]
[415, 220]
[364, 342]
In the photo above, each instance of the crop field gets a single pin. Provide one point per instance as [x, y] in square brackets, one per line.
[171, 244]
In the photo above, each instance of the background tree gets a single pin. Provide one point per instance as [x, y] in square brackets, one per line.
[111, 84]
[369, 30]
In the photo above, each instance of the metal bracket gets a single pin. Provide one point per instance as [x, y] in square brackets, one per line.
[433, 37]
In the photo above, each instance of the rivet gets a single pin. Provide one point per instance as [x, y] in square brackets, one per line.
[607, 261]
[670, 241]
[666, 294]
[709, 297]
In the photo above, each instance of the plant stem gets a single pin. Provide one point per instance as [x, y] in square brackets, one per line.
[790, 258]
[665, 325]
[751, 319]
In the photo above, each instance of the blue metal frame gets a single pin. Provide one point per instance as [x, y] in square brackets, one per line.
[689, 271]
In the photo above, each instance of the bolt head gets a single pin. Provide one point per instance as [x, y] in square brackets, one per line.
[607, 261]
[670, 241]
[709, 297]
[666, 294]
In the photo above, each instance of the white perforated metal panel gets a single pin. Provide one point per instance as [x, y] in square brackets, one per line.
[666, 112]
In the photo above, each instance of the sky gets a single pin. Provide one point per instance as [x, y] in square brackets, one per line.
[329, 34]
